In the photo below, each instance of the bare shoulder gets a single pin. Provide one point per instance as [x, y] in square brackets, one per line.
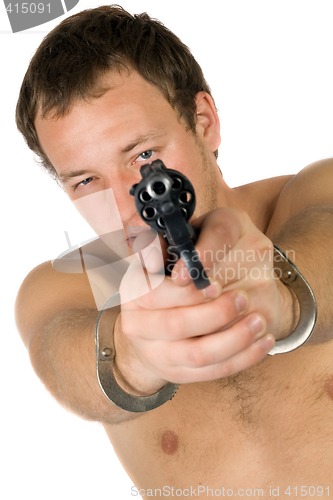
[45, 292]
[273, 202]
[311, 188]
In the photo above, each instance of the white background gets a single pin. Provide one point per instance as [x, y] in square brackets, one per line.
[269, 64]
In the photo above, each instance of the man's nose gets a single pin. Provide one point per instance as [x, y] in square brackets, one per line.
[124, 201]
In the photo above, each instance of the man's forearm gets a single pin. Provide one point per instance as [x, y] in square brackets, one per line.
[63, 356]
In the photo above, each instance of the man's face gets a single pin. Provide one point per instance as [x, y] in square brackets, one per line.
[102, 143]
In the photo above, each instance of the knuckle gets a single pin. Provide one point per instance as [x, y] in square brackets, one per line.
[221, 230]
[262, 245]
[224, 370]
[254, 326]
[175, 324]
[264, 286]
[264, 249]
[223, 312]
[146, 300]
[197, 357]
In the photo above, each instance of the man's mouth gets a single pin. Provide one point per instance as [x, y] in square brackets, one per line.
[130, 241]
[138, 236]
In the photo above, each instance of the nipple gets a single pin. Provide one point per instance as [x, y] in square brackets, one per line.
[170, 442]
[329, 386]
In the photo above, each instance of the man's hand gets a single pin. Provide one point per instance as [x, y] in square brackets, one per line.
[179, 334]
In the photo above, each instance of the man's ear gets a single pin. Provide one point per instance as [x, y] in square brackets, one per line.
[208, 123]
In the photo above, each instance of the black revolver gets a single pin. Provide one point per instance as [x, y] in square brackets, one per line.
[165, 200]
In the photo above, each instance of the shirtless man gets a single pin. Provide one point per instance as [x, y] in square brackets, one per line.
[105, 93]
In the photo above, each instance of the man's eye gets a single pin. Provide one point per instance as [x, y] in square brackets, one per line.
[85, 182]
[146, 155]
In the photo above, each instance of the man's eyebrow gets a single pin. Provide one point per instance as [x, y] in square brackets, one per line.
[70, 175]
[140, 140]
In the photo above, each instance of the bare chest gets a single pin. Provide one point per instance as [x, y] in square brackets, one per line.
[272, 425]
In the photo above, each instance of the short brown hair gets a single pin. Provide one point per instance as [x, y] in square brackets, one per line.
[70, 61]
